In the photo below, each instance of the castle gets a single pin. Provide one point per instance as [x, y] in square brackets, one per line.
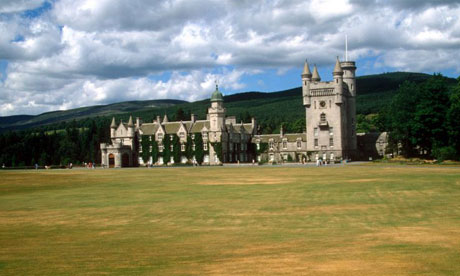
[330, 130]
[234, 138]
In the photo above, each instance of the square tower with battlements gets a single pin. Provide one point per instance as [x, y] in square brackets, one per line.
[330, 112]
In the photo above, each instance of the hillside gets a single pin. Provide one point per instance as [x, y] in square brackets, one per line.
[270, 109]
[27, 121]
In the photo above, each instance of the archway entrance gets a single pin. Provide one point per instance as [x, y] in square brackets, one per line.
[125, 160]
[111, 160]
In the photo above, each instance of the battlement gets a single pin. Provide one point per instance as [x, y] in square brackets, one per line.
[348, 64]
[322, 92]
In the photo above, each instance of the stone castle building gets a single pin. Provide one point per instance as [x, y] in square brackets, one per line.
[234, 137]
[331, 111]
[330, 132]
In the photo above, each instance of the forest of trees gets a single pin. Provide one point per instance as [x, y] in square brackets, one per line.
[72, 143]
[422, 117]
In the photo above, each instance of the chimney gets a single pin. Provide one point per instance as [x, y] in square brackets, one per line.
[158, 120]
[138, 122]
[193, 118]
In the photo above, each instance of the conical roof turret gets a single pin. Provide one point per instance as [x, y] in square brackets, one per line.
[337, 69]
[306, 70]
[315, 76]
[113, 124]
[130, 122]
[165, 119]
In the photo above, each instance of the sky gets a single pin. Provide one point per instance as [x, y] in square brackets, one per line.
[63, 54]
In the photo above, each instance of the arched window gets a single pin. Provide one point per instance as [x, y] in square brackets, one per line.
[323, 117]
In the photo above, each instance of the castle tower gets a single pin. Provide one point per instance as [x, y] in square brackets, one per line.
[330, 113]
[217, 111]
[349, 79]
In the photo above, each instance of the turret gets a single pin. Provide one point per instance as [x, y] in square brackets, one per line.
[113, 127]
[349, 68]
[338, 81]
[306, 79]
[130, 127]
[315, 77]
[165, 119]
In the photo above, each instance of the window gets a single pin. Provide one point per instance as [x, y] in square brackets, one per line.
[331, 142]
[285, 157]
[193, 136]
[182, 147]
[182, 135]
[170, 137]
[160, 148]
[315, 131]
[171, 148]
[193, 147]
[272, 144]
[258, 146]
[205, 146]
[284, 144]
[322, 117]
[205, 135]
[316, 142]
[150, 138]
[231, 146]
[299, 144]
[331, 131]
[160, 136]
[150, 149]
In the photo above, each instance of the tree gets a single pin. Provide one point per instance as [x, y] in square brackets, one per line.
[176, 149]
[145, 144]
[166, 149]
[154, 153]
[189, 148]
[400, 118]
[430, 124]
[199, 153]
[453, 119]
[180, 115]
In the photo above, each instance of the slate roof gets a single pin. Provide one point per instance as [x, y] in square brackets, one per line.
[199, 125]
[149, 129]
[171, 127]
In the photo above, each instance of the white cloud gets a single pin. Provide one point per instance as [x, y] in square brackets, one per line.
[83, 52]
[8, 6]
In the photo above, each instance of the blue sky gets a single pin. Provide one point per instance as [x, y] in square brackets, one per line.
[65, 54]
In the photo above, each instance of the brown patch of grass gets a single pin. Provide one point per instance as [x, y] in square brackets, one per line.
[247, 181]
[444, 237]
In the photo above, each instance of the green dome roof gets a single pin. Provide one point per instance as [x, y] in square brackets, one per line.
[217, 96]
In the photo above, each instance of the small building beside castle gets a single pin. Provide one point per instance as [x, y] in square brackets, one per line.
[330, 133]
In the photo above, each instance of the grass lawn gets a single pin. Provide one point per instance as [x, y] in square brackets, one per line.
[351, 220]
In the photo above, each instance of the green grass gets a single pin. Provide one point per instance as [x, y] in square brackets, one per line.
[353, 220]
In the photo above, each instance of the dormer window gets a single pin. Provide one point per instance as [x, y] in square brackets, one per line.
[182, 135]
